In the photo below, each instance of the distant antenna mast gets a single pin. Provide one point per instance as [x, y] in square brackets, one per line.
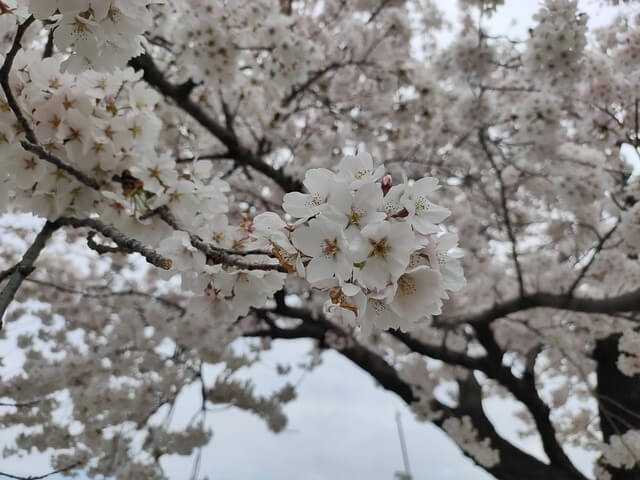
[406, 475]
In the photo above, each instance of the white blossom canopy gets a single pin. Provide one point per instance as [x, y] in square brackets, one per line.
[460, 220]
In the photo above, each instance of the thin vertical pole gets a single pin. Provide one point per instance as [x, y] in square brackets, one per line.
[403, 447]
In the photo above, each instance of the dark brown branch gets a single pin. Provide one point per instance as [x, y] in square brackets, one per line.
[597, 249]
[40, 477]
[377, 10]
[18, 273]
[82, 177]
[5, 70]
[209, 156]
[514, 463]
[20, 404]
[242, 155]
[109, 293]
[214, 254]
[24, 268]
[48, 48]
[491, 365]
[627, 302]
[526, 392]
[505, 211]
[7, 273]
[124, 242]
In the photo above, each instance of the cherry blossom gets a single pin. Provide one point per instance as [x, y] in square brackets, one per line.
[183, 182]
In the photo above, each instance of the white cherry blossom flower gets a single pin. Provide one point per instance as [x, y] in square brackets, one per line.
[324, 242]
[184, 256]
[418, 293]
[357, 210]
[318, 182]
[389, 250]
[444, 257]
[422, 213]
[358, 170]
[157, 173]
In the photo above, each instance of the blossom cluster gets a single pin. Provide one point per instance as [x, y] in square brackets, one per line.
[621, 451]
[102, 34]
[374, 247]
[99, 124]
[462, 431]
[216, 39]
[558, 40]
[629, 346]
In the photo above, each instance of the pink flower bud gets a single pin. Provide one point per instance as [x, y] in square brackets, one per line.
[387, 181]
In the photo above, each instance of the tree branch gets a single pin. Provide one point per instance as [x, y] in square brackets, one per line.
[24, 268]
[19, 272]
[215, 254]
[505, 211]
[597, 249]
[32, 145]
[514, 463]
[491, 365]
[242, 155]
[5, 70]
[119, 238]
[627, 302]
[82, 177]
[40, 477]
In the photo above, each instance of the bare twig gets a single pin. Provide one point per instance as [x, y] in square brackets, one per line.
[597, 249]
[109, 293]
[505, 212]
[40, 477]
[124, 242]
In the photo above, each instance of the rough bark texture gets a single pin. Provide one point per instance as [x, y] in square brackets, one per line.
[619, 398]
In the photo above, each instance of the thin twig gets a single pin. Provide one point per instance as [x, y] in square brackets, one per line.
[505, 212]
[40, 477]
[119, 238]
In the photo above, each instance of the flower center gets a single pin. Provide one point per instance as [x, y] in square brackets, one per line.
[406, 285]
[330, 247]
[380, 249]
[354, 217]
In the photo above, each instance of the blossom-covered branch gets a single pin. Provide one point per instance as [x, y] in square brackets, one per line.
[238, 152]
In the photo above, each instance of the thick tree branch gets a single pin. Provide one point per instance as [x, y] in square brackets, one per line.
[24, 268]
[491, 365]
[627, 302]
[526, 392]
[242, 155]
[514, 463]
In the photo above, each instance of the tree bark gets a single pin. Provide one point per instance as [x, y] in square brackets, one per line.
[618, 399]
